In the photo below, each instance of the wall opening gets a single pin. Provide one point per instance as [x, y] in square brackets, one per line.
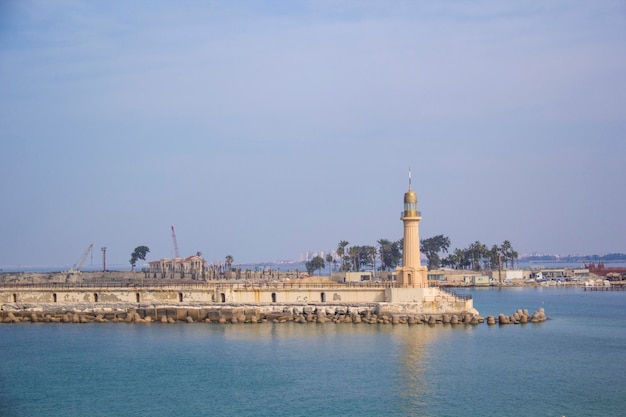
[180, 297]
[54, 297]
[137, 297]
[95, 298]
[273, 297]
[323, 297]
[14, 298]
[223, 297]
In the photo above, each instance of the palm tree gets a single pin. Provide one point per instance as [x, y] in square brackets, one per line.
[229, 264]
[353, 254]
[384, 253]
[341, 252]
[329, 259]
[477, 252]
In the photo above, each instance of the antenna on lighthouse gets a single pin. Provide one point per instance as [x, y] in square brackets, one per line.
[409, 177]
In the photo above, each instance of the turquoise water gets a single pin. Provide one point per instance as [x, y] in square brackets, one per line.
[571, 365]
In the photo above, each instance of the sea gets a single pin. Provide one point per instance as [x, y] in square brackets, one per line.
[573, 364]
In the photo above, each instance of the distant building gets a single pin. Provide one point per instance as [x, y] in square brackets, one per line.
[193, 267]
[352, 276]
[478, 280]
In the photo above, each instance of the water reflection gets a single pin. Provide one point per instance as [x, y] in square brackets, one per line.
[418, 382]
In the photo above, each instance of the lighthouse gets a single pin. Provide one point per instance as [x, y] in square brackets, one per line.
[411, 274]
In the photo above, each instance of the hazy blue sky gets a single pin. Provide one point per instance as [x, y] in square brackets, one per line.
[261, 129]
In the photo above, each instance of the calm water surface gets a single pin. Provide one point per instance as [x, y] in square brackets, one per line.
[571, 365]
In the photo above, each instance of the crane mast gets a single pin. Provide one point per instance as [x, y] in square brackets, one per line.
[76, 269]
[175, 243]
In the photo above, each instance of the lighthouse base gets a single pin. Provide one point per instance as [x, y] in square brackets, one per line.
[412, 277]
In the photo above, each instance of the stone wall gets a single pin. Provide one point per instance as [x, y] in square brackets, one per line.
[228, 313]
[413, 300]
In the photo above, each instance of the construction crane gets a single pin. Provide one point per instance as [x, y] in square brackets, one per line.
[76, 269]
[175, 243]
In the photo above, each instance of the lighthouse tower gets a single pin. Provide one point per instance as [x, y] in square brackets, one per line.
[411, 274]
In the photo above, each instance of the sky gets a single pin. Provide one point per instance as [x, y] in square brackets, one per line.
[263, 129]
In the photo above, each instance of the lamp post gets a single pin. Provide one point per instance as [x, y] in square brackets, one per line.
[104, 258]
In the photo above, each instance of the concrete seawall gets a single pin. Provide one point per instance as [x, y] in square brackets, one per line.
[414, 301]
[123, 299]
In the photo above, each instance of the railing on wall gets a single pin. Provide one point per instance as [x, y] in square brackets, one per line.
[455, 294]
[201, 285]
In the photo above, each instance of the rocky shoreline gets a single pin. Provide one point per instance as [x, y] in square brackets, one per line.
[372, 314]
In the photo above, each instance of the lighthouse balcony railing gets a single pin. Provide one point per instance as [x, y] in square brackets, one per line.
[419, 214]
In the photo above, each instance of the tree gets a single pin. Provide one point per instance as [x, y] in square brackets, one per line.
[367, 256]
[432, 246]
[314, 264]
[513, 256]
[508, 253]
[341, 252]
[458, 259]
[329, 259]
[353, 256]
[385, 252]
[140, 252]
[476, 251]
[229, 264]
[494, 257]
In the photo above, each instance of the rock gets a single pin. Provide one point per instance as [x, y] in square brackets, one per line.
[163, 319]
[474, 320]
[502, 319]
[454, 319]
[538, 316]
[190, 319]
[491, 320]
[432, 320]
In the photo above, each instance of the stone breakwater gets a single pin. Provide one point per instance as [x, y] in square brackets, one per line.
[519, 317]
[235, 314]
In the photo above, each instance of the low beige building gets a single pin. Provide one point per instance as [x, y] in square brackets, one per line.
[193, 267]
[352, 276]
